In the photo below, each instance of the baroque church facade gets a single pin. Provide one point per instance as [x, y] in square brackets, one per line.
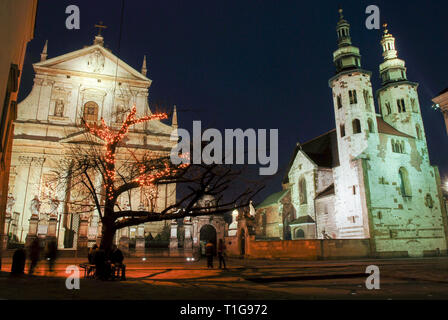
[370, 177]
[90, 83]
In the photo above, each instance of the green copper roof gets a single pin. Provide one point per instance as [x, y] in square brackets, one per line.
[273, 199]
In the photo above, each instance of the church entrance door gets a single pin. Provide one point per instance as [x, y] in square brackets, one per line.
[207, 233]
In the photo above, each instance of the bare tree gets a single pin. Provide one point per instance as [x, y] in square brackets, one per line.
[99, 173]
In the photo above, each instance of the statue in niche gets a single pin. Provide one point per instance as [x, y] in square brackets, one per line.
[119, 118]
[59, 108]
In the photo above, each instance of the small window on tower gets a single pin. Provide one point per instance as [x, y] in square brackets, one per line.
[366, 99]
[352, 95]
[418, 131]
[388, 109]
[371, 127]
[342, 127]
[414, 105]
[339, 101]
[400, 105]
[356, 126]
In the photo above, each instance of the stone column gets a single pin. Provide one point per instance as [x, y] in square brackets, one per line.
[188, 241]
[123, 242]
[83, 239]
[32, 231]
[52, 227]
[140, 238]
[173, 238]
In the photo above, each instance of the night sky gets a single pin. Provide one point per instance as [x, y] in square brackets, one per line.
[255, 64]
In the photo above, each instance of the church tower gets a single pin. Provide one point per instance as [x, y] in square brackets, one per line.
[352, 97]
[398, 97]
[356, 130]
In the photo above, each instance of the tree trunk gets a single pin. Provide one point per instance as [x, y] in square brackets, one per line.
[107, 236]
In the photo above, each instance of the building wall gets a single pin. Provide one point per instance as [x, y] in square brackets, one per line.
[42, 137]
[399, 222]
[17, 20]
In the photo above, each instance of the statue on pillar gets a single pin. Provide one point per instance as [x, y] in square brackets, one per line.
[35, 206]
[54, 204]
[10, 203]
[251, 209]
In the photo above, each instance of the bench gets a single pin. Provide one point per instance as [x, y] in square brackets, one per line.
[89, 270]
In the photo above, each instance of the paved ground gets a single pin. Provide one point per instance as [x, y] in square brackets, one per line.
[174, 278]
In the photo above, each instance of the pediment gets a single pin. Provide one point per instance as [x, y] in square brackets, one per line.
[82, 137]
[92, 60]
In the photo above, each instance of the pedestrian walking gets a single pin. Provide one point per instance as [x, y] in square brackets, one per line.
[221, 254]
[209, 250]
[51, 254]
[34, 255]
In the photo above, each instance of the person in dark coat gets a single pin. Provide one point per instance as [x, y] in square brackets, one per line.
[209, 250]
[18, 262]
[51, 254]
[91, 254]
[116, 259]
[221, 253]
[34, 255]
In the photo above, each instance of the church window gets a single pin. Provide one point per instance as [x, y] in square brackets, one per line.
[352, 95]
[402, 74]
[401, 106]
[380, 215]
[302, 191]
[300, 234]
[418, 131]
[342, 130]
[428, 201]
[370, 124]
[405, 186]
[354, 189]
[90, 111]
[388, 109]
[339, 100]
[366, 99]
[413, 105]
[356, 126]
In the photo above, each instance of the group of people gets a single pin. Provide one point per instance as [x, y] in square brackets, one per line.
[210, 252]
[107, 265]
[19, 257]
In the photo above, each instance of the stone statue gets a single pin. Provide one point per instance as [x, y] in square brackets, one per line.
[59, 108]
[10, 203]
[251, 209]
[35, 206]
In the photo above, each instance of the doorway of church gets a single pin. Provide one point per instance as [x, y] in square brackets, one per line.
[207, 233]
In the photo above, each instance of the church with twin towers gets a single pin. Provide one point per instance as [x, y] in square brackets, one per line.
[370, 177]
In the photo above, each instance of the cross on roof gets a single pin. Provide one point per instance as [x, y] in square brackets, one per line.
[100, 26]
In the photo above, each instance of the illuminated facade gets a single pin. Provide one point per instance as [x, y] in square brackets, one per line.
[370, 177]
[91, 83]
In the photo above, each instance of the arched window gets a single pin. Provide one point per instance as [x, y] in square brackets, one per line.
[300, 234]
[418, 131]
[405, 186]
[356, 126]
[90, 111]
[370, 124]
[302, 191]
[401, 106]
[339, 101]
[352, 96]
[388, 109]
[428, 201]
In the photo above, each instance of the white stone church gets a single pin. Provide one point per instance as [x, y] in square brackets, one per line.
[370, 177]
[92, 83]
